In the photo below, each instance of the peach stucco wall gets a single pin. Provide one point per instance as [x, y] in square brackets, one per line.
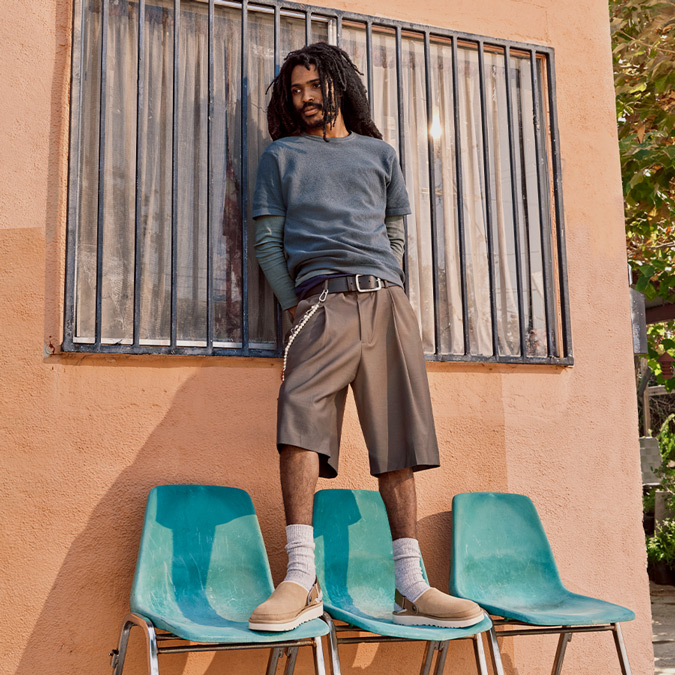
[83, 438]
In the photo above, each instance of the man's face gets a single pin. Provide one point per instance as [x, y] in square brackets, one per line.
[306, 96]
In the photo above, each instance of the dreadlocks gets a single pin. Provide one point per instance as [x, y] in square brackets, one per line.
[341, 89]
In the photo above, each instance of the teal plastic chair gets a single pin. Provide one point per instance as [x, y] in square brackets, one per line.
[355, 568]
[501, 559]
[201, 570]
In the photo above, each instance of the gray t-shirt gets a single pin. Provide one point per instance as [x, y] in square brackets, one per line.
[335, 197]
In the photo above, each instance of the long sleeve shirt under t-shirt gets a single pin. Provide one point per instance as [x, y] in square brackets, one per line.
[328, 208]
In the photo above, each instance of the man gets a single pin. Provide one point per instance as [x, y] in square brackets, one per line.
[329, 206]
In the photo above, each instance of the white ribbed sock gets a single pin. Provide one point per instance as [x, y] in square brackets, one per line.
[408, 568]
[300, 548]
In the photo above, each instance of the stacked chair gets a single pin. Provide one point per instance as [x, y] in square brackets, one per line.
[501, 559]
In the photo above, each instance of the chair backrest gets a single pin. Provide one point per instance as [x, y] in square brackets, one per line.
[500, 549]
[353, 549]
[201, 555]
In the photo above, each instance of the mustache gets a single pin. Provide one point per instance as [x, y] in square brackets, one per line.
[318, 106]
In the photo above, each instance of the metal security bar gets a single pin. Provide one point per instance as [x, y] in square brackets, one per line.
[84, 329]
[488, 196]
[514, 199]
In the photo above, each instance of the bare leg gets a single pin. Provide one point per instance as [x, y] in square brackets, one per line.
[432, 608]
[398, 493]
[299, 473]
[298, 597]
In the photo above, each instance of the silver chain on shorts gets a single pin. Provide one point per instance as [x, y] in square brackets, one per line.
[296, 329]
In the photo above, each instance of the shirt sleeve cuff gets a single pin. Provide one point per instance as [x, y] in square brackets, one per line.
[267, 211]
[400, 211]
[288, 301]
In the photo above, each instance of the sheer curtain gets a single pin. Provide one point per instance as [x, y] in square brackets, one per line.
[415, 149]
[442, 131]
[441, 127]
[155, 176]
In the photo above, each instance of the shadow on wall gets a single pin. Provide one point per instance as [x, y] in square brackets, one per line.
[205, 437]
[219, 430]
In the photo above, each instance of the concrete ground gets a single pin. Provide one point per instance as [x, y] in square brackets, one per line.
[663, 628]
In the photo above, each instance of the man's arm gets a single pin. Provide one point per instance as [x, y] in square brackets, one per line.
[396, 234]
[269, 249]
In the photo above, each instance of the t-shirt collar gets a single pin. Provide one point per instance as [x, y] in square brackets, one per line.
[339, 139]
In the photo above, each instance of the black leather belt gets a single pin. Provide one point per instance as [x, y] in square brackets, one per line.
[361, 283]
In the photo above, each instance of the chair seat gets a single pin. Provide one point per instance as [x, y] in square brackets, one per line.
[233, 632]
[379, 621]
[567, 609]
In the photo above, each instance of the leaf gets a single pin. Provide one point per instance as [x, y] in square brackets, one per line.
[668, 343]
[650, 291]
[641, 133]
[641, 284]
[636, 180]
[661, 83]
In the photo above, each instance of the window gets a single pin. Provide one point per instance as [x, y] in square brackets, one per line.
[167, 125]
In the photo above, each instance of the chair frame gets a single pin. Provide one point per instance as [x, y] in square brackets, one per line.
[154, 636]
[438, 648]
[565, 633]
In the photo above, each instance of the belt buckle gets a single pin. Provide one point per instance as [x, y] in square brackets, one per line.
[367, 290]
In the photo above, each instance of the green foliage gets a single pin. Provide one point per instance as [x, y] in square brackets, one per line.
[661, 545]
[649, 502]
[661, 340]
[643, 41]
[667, 484]
[667, 440]
[643, 38]
[666, 472]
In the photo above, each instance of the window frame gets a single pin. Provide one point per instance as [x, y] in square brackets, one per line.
[556, 294]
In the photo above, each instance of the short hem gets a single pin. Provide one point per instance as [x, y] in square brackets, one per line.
[325, 468]
[414, 467]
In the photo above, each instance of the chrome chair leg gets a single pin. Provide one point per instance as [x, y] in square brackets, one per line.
[273, 661]
[291, 657]
[495, 654]
[560, 652]
[332, 645]
[317, 648]
[429, 651]
[442, 655]
[481, 663]
[621, 649]
[119, 655]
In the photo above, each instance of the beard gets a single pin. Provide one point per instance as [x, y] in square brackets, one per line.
[316, 121]
[313, 124]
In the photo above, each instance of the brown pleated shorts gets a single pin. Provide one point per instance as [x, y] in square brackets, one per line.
[370, 341]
